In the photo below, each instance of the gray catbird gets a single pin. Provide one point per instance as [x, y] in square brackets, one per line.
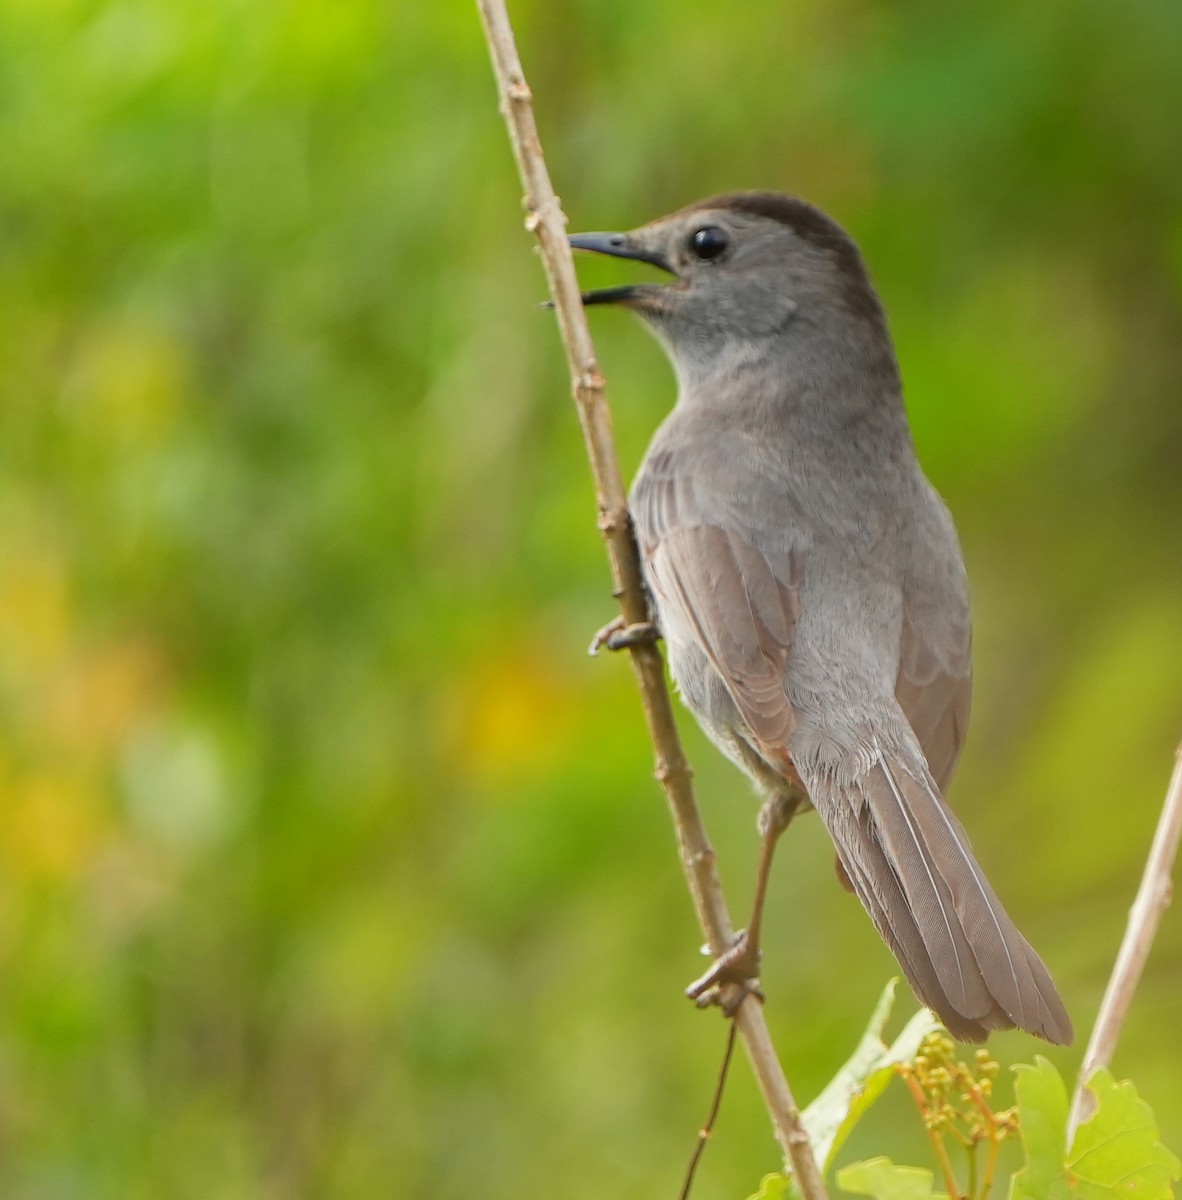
[809, 585]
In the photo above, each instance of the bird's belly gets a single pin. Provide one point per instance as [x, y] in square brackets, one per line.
[702, 689]
[705, 695]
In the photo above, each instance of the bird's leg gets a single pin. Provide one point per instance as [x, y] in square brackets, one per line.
[740, 964]
[616, 635]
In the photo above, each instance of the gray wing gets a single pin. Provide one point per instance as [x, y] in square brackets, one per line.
[935, 698]
[934, 684]
[739, 604]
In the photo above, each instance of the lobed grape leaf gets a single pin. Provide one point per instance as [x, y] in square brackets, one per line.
[1115, 1154]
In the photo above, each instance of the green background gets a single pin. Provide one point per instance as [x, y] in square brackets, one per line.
[329, 864]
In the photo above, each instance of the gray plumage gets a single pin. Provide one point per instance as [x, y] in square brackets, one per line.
[808, 581]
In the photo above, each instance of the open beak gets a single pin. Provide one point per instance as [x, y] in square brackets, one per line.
[619, 245]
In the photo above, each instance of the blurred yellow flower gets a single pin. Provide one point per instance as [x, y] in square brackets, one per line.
[34, 608]
[512, 716]
[54, 824]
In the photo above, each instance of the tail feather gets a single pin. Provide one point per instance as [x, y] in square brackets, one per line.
[880, 892]
[911, 866]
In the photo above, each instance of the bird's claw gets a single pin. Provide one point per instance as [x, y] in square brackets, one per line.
[729, 997]
[617, 635]
[733, 977]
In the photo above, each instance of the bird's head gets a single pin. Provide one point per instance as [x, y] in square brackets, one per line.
[747, 268]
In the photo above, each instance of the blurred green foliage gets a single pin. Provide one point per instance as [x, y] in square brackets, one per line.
[330, 866]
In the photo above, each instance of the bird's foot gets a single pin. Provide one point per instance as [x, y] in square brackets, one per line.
[617, 635]
[731, 979]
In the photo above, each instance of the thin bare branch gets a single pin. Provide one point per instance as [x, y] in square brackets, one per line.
[707, 1130]
[1153, 898]
[547, 221]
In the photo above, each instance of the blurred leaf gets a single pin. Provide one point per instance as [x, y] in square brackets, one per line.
[859, 1082]
[776, 1187]
[863, 1078]
[882, 1179]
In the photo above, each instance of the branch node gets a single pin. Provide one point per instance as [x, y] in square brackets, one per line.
[673, 773]
[612, 521]
[589, 382]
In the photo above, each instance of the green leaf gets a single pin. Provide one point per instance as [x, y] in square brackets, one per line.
[856, 1086]
[881, 1179]
[1117, 1152]
[863, 1078]
[776, 1187]
[1042, 1109]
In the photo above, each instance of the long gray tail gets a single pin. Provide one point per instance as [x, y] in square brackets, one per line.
[910, 864]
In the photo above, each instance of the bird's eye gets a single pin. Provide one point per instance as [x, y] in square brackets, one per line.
[709, 241]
